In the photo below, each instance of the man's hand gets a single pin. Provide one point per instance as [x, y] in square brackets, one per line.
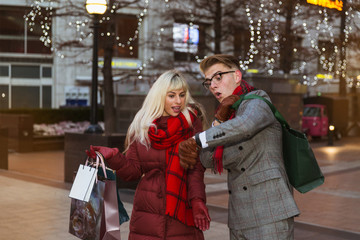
[188, 153]
[105, 151]
[224, 111]
[201, 214]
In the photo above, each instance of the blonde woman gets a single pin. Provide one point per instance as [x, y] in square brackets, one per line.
[169, 201]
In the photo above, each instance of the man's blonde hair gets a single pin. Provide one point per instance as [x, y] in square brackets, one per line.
[228, 60]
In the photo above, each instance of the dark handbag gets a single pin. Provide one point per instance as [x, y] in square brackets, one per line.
[300, 163]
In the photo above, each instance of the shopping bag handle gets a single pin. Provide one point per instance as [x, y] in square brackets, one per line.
[99, 160]
[99, 157]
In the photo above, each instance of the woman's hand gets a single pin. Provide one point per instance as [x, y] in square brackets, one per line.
[201, 214]
[106, 152]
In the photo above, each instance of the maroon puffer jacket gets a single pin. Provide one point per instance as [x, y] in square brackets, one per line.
[148, 219]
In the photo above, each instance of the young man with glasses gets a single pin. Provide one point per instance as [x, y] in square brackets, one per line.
[248, 143]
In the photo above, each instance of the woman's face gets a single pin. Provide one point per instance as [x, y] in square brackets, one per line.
[174, 102]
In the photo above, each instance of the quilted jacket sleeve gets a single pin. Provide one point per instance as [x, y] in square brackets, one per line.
[127, 166]
[196, 186]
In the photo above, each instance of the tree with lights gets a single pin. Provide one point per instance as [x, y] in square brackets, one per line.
[341, 29]
[78, 39]
[108, 45]
[264, 35]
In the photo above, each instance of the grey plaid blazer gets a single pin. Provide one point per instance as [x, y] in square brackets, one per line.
[259, 190]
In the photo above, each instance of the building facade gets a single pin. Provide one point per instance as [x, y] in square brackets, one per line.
[45, 49]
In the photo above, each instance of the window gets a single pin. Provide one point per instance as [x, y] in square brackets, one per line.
[188, 41]
[25, 71]
[186, 38]
[15, 34]
[241, 43]
[4, 97]
[312, 112]
[46, 96]
[4, 71]
[46, 72]
[32, 94]
[25, 97]
[125, 27]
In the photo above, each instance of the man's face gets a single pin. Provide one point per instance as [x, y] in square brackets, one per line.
[223, 80]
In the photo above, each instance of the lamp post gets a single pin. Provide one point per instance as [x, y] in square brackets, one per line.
[96, 8]
[331, 135]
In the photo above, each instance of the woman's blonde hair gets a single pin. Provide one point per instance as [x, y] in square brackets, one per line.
[154, 105]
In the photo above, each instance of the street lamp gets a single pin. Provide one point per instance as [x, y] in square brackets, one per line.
[96, 8]
[331, 135]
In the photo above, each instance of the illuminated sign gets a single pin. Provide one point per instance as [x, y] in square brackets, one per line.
[122, 63]
[186, 38]
[252, 71]
[324, 76]
[337, 4]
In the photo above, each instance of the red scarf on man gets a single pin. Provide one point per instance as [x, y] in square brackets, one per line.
[244, 88]
[178, 129]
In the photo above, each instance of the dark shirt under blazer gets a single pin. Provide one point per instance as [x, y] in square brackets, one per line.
[259, 190]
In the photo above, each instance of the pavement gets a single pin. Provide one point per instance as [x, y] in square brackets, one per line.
[34, 202]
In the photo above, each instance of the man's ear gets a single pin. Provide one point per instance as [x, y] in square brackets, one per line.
[238, 76]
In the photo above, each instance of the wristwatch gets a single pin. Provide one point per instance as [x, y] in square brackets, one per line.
[197, 140]
[218, 120]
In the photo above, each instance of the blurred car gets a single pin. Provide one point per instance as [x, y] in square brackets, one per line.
[315, 122]
[337, 111]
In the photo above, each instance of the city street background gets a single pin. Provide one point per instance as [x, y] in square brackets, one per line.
[34, 199]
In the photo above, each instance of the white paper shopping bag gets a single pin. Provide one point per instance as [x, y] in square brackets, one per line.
[83, 183]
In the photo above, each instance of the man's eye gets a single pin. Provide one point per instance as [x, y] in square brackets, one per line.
[217, 77]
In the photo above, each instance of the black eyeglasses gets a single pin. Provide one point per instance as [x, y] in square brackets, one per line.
[217, 77]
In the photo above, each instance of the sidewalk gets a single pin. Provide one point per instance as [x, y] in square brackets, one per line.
[34, 199]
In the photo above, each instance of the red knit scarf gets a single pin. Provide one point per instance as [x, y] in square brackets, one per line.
[244, 88]
[178, 129]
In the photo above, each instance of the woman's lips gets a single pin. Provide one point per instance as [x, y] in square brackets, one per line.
[176, 109]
